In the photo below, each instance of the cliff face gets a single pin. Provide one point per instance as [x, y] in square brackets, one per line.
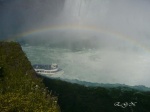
[20, 89]
[13, 59]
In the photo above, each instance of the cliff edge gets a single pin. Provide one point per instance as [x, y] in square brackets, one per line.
[20, 89]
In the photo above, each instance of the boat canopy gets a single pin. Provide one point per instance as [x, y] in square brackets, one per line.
[46, 67]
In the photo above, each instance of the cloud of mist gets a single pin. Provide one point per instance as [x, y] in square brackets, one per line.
[129, 18]
[95, 65]
[120, 56]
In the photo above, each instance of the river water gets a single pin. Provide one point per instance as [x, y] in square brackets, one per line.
[94, 65]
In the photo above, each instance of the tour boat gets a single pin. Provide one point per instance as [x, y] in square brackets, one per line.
[47, 70]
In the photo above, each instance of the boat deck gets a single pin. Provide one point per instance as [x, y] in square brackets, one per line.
[40, 66]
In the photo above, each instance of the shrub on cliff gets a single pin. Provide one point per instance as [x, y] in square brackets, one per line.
[20, 89]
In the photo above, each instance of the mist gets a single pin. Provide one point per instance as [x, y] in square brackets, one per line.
[95, 40]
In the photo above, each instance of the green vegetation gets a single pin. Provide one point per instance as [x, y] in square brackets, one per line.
[78, 98]
[20, 89]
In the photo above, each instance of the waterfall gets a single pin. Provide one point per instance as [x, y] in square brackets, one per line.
[84, 11]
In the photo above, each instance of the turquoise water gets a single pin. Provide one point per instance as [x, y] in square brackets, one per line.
[94, 65]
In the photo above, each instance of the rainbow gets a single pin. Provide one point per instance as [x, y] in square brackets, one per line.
[82, 28]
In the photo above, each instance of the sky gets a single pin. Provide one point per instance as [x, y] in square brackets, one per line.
[117, 25]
